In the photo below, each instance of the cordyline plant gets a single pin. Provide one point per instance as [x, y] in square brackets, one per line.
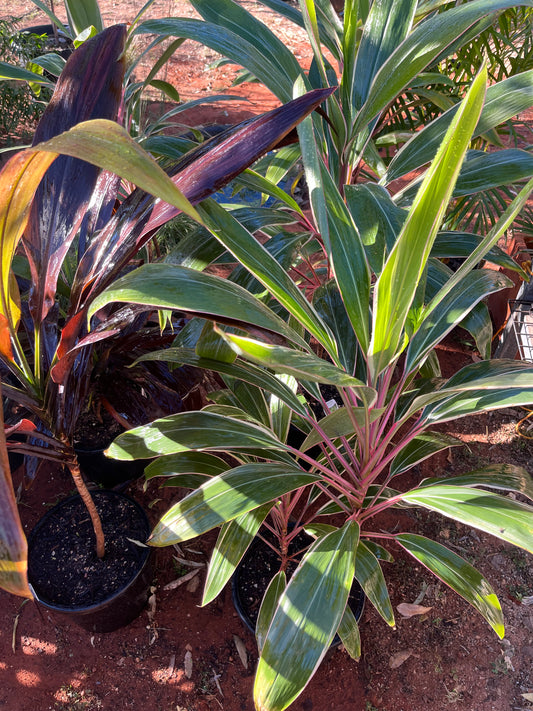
[370, 331]
[51, 206]
[394, 63]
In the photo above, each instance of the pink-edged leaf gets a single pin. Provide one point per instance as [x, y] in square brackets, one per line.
[19, 180]
[13, 546]
[201, 173]
[89, 87]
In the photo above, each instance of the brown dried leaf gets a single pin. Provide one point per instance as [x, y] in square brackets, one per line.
[241, 650]
[152, 603]
[187, 664]
[399, 658]
[179, 581]
[528, 697]
[192, 585]
[171, 665]
[407, 609]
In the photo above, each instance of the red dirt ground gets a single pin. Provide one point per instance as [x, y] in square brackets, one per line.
[447, 658]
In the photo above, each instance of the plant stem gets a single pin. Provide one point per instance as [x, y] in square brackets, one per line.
[74, 469]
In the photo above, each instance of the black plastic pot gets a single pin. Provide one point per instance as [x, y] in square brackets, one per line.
[261, 557]
[100, 595]
[63, 46]
[109, 473]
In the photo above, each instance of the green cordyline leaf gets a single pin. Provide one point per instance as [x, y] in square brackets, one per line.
[450, 312]
[11, 73]
[421, 47]
[504, 100]
[340, 423]
[179, 288]
[232, 543]
[387, 25]
[488, 385]
[419, 449]
[107, 145]
[237, 369]
[306, 619]
[303, 366]
[349, 634]
[458, 574]
[186, 463]
[264, 267]
[268, 606]
[191, 430]
[227, 497]
[493, 476]
[370, 576]
[348, 259]
[276, 68]
[504, 518]
[82, 14]
[396, 286]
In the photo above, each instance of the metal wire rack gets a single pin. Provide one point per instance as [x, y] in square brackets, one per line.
[522, 322]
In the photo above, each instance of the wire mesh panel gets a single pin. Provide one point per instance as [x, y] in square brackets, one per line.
[522, 320]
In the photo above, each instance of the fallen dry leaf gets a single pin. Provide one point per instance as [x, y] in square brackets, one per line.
[406, 609]
[152, 604]
[192, 585]
[241, 650]
[171, 665]
[187, 664]
[399, 658]
[179, 581]
[528, 697]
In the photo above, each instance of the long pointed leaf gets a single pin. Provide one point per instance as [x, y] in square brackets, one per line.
[166, 286]
[306, 619]
[232, 543]
[370, 576]
[301, 365]
[504, 518]
[268, 606]
[494, 476]
[458, 574]
[397, 284]
[225, 498]
[191, 430]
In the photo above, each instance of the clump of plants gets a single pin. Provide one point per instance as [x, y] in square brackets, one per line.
[59, 210]
[368, 329]
[22, 104]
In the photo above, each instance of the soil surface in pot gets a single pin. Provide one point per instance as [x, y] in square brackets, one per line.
[65, 569]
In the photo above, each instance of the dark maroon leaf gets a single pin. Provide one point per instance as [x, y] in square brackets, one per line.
[89, 87]
[201, 173]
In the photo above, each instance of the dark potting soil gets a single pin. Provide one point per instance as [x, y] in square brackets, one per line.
[64, 568]
[95, 432]
[258, 567]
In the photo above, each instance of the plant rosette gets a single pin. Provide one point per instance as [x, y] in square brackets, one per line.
[67, 577]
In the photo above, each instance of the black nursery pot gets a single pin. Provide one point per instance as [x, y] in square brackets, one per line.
[109, 473]
[66, 576]
[254, 573]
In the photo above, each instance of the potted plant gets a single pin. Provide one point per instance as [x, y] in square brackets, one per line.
[46, 347]
[370, 332]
